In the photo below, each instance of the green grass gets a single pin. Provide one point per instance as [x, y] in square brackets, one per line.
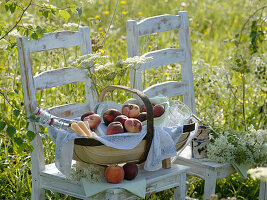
[218, 82]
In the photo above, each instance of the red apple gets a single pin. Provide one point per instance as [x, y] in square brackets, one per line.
[143, 108]
[93, 120]
[110, 115]
[133, 125]
[131, 110]
[114, 174]
[86, 114]
[121, 119]
[130, 171]
[142, 116]
[158, 110]
[115, 128]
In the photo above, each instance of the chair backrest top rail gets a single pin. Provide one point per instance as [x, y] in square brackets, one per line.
[56, 40]
[158, 24]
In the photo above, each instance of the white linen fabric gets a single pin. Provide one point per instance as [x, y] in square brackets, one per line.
[162, 147]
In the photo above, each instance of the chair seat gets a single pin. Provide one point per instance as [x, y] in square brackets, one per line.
[156, 181]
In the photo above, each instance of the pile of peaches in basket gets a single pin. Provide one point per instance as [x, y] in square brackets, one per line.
[129, 119]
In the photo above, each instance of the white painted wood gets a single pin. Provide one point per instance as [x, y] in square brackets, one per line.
[180, 192]
[158, 24]
[58, 77]
[50, 79]
[28, 87]
[156, 181]
[263, 190]
[168, 89]
[210, 183]
[163, 57]
[62, 39]
[187, 74]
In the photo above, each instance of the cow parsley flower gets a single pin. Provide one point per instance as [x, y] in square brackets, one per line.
[241, 147]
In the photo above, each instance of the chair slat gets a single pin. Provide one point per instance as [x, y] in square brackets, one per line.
[62, 39]
[58, 77]
[69, 111]
[158, 24]
[163, 57]
[168, 89]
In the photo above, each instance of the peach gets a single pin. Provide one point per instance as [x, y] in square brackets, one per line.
[115, 128]
[133, 125]
[86, 114]
[130, 171]
[110, 115]
[131, 110]
[114, 174]
[158, 110]
[121, 119]
[142, 116]
[94, 120]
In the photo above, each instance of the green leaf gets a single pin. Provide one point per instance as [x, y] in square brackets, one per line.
[65, 14]
[79, 11]
[34, 36]
[16, 112]
[11, 130]
[2, 125]
[31, 135]
[18, 140]
[22, 147]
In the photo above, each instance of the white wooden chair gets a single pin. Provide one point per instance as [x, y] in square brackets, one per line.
[47, 177]
[209, 171]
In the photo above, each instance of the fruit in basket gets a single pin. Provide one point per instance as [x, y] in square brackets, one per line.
[131, 110]
[93, 120]
[110, 115]
[158, 110]
[143, 108]
[142, 116]
[115, 128]
[133, 125]
[114, 174]
[121, 119]
[130, 171]
[86, 114]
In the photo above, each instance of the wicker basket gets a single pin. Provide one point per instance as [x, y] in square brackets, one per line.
[89, 150]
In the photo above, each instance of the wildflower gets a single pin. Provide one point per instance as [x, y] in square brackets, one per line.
[140, 13]
[166, 74]
[122, 41]
[106, 12]
[262, 94]
[149, 46]
[102, 33]
[124, 13]
[101, 51]
[100, 29]
[136, 61]
[123, 2]
[2, 67]
[246, 5]
[96, 17]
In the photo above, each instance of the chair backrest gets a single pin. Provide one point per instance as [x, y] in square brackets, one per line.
[53, 78]
[166, 56]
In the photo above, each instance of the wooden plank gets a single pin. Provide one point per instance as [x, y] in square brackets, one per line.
[62, 39]
[158, 24]
[163, 57]
[187, 73]
[168, 89]
[58, 77]
[263, 190]
[69, 111]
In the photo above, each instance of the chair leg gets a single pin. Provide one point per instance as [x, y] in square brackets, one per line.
[180, 191]
[37, 192]
[210, 183]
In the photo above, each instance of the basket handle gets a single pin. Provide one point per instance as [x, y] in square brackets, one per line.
[149, 108]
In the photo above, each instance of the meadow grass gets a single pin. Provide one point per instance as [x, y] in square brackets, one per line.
[218, 88]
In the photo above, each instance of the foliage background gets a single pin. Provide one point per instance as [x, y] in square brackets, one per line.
[228, 44]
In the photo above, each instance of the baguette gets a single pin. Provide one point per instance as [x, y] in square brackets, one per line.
[75, 127]
[84, 128]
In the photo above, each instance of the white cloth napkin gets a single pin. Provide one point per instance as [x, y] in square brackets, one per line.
[162, 147]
